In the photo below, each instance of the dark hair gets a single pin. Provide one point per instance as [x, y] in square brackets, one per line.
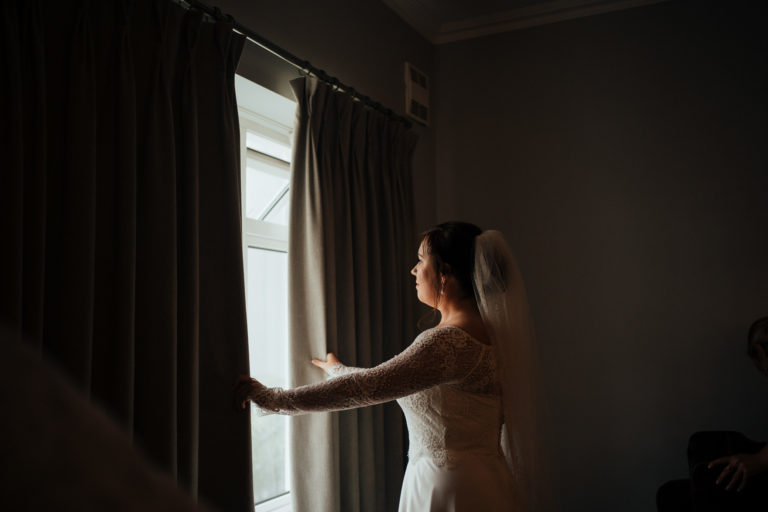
[452, 247]
[758, 333]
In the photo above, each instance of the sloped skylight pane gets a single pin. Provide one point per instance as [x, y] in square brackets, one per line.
[262, 189]
[279, 214]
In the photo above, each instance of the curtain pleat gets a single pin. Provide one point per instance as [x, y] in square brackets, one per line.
[221, 273]
[120, 202]
[34, 179]
[69, 237]
[351, 224]
[12, 133]
[188, 378]
[156, 256]
[114, 322]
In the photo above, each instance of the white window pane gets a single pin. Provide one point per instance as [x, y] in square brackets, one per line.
[258, 142]
[267, 309]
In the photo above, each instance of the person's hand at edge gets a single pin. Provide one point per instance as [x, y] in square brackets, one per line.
[739, 468]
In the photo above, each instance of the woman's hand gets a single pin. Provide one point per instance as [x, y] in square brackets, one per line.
[246, 389]
[330, 361]
[739, 468]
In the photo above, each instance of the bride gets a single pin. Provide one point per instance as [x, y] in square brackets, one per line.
[466, 386]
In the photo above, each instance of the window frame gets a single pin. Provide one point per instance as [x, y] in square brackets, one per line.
[273, 236]
[259, 234]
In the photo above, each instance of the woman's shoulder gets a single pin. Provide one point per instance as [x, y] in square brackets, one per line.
[451, 333]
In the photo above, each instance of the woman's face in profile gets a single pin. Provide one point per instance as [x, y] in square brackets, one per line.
[425, 277]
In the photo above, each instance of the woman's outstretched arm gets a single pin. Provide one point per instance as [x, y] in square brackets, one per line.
[437, 356]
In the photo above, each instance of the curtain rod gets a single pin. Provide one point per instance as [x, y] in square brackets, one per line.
[290, 58]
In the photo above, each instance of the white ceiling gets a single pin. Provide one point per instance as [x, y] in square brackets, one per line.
[444, 21]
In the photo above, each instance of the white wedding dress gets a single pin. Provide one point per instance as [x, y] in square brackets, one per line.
[447, 385]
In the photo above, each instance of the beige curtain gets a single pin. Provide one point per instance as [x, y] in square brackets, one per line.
[350, 252]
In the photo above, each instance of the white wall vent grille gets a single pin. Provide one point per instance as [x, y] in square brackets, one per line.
[416, 94]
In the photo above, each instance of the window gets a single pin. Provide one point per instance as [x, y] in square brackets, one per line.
[265, 140]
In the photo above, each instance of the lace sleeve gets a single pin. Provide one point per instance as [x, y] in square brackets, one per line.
[340, 369]
[437, 356]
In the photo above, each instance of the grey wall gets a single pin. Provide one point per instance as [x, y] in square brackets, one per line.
[624, 155]
[362, 43]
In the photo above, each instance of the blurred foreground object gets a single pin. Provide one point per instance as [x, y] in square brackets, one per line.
[59, 452]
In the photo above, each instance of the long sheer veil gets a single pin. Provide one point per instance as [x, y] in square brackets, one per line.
[503, 305]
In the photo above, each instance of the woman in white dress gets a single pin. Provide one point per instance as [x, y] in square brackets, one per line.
[466, 386]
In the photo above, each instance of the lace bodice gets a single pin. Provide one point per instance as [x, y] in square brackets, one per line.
[445, 381]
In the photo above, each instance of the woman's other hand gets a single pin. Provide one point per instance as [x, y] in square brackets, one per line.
[739, 468]
[330, 361]
[246, 389]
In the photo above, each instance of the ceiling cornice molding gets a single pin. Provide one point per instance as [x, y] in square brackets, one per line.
[420, 18]
[417, 15]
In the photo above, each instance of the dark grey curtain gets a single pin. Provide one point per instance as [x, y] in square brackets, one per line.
[351, 249]
[121, 241]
